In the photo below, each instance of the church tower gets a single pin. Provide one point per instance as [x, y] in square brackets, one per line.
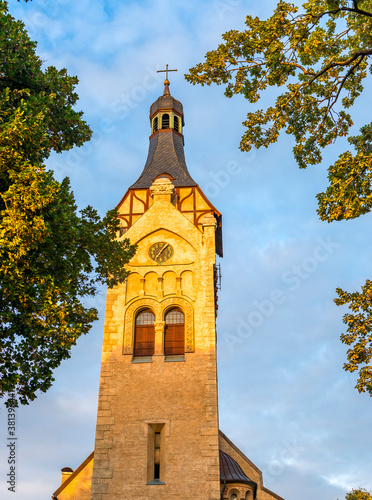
[157, 425]
[157, 434]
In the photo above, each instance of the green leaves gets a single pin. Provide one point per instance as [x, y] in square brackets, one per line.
[358, 494]
[319, 56]
[349, 193]
[359, 334]
[51, 257]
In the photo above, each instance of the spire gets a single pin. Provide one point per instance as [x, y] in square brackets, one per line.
[166, 81]
[166, 154]
[166, 87]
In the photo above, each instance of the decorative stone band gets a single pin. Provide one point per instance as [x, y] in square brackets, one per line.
[160, 308]
[161, 186]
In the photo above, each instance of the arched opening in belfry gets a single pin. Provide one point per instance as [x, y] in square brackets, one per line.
[165, 121]
[144, 335]
[174, 335]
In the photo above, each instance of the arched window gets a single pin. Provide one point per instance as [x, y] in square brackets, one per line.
[174, 335]
[165, 121]
[155, 125]
[234, 494]
[249, 495]
[144, 336]
[176, 123]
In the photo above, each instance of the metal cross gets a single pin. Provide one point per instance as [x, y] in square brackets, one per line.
[165, 71]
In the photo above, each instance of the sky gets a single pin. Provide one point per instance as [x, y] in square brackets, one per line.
[284, 398]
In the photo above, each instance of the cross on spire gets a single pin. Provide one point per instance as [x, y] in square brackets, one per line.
[166, 70]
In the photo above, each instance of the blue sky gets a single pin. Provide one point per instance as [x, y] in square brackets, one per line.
[284, 397]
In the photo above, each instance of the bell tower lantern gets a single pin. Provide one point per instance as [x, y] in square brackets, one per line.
[166, 113]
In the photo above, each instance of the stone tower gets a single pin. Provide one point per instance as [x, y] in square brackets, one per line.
[157, 425]
[157, 434]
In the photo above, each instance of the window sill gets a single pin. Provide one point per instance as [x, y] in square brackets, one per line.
[155, 481]
[142, 359]
[175, 358]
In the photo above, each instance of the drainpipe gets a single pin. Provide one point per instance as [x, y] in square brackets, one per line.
[223, 489]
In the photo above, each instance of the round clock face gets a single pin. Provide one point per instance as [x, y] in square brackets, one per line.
[160, 252]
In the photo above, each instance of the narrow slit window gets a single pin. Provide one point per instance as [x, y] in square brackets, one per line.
[155, 125]
[156, 457]
[165, 121]
[176, 123]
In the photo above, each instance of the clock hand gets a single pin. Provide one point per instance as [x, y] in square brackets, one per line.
[161, 250]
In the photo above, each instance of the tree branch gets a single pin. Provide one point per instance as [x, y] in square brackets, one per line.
[363, 52]
[341, 9]
[253, 64]
[341, 84]
[347, 76]
[357, 10]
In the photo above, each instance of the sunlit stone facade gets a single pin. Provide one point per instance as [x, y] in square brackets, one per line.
[157, 434]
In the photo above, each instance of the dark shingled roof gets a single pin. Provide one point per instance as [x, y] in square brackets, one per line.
[166, 101]
[231, 472]
[166, 156]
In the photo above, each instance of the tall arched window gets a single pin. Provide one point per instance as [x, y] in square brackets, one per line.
[155, 125]
[174, 335]
[165, 121]
[176, 123]
[144, 336]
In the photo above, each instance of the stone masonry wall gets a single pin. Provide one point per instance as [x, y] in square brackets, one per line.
[180, 395]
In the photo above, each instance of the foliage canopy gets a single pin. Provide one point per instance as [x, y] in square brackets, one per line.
[320, 53]
[358, 494]
[51, 257]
